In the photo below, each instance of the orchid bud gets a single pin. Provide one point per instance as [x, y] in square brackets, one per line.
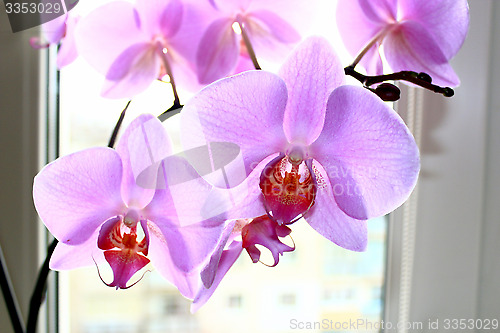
[387, 92]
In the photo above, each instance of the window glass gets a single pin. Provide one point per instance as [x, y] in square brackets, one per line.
[318, 281]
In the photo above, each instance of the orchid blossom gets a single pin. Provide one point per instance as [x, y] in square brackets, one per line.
[133, 45]
[420, 36]
[311, 147]
[59, 31]
[244, 29]
[239, 235]
[91, 203]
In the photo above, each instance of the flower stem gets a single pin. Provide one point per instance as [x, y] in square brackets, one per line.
[419, 79]
[112, 139]
[9, 297]
[38, 292]
[168, 69]
[378, 37]
[248, 45]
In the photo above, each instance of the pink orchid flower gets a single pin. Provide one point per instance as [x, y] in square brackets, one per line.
[60, 31]
[416, 35]
[334, 154]
[92, 204]
[270, 30]
[135, 44]
[239, 235]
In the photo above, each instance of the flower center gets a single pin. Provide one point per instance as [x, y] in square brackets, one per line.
[288, 187]
[123, 252]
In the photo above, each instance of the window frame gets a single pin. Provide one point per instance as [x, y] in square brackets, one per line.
[452, 227]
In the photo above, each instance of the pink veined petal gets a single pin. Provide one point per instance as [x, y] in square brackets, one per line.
[244, 64]
[217, 52]
[272, 37]
[160, 257]
[75, 194]
[298, 14]
[447, 20]
[197, 16]
[379, 11]
[144, 138]
[191, 245]
[67, 50]
[354, 27]
[244, 201]
[412, 47]
[369, 154]
[160, 16]
[227, 260]
[177, 213]
[182, 202]
[246, 110]
[132, 72]
[66, 257]
[330, 221]
[311, 72]
[106, 32]
[208, 272]
[270, 24]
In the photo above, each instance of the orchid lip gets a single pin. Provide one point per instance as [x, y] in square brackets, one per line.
[289, 187]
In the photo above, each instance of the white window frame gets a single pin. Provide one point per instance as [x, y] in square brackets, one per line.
[451, 241]
[28, 140]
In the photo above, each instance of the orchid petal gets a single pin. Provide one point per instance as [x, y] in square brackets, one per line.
[218, 51]
[330, 221]
[227, 260]
[183, 201]
[412, 47]
[264, 24]
[75, 194]
[157, 16]
[189, 246]
[208, 272]
[54, 30]
[159, 255]
[448, 20]
[354, 28]
[100, 35]
[251, 117]
[67, 52]
[177, 214]
[379, 10]
[309, 88]
[132, 72]
[371, 157]
[143, 138]
[66, 257]
[244, 201]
